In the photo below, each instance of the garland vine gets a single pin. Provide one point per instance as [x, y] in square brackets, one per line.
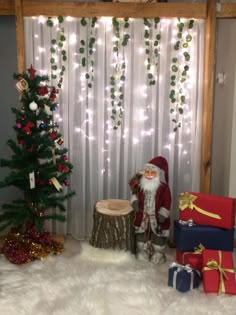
[179, 71]
[117, 79]
[57, 50]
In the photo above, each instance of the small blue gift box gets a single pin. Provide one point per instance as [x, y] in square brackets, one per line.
[183, 278]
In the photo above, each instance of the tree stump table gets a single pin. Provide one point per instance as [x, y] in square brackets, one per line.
[113, 224]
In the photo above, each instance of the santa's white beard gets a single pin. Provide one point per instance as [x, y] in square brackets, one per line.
[150, 184]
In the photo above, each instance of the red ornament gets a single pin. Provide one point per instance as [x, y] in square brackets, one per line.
[43, 90]
[65, 158]
[60, 141]
[50, 183]
[66, 168]
[31, 71]
[60, 167]
[31, 148]
[21, 141]
[66, 183]
[53, 135]
[39, 181]
[28, 127]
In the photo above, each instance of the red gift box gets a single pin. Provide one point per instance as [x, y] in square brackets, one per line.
[193, 259]
[207, 209]
[218, 271]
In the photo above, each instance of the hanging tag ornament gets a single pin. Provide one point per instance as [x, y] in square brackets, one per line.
[22, 85]
[32, 180]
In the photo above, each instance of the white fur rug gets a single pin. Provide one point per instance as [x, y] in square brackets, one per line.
[85, 280]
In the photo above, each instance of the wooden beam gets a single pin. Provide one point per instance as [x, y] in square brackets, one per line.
[20, 36]
[193, 10]
[228, 10]
[116, 9]
[7, 7]
[209, 65]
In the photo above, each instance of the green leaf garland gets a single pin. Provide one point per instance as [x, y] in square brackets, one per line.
[117, 79]
[152, 38]
[86, 49]
[58, 51]
[179, 71]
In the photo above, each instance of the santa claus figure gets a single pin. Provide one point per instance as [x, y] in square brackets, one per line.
[151, 201]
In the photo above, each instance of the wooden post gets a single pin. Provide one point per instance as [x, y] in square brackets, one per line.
[20, 42]
[208, 93]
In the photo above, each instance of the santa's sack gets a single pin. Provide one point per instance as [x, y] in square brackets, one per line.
[183, 278]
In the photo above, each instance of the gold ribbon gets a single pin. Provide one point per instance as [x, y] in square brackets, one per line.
[199, 249]
[56, 183]
[186, 200]
[212, 264]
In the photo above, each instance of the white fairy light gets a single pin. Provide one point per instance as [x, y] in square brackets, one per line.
[44, 71]
[72, 39]
[41, 50]
[141, 50]
[135, 140]
[89, 111]
[36, 36]
[171, 135]
[167, 146]
[41, 19]
[77, 129]
[142, 116]
[103, 171]
[99, 41]
[69, 18]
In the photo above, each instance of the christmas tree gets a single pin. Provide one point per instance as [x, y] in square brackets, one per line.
[39, 165]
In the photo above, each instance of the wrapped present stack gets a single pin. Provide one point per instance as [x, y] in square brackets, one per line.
[204, 238]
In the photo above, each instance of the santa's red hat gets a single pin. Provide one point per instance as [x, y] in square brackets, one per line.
[159, 162]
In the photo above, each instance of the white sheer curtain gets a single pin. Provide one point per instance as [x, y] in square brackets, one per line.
[105, 159]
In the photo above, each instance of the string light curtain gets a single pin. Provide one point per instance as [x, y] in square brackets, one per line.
[90, 105]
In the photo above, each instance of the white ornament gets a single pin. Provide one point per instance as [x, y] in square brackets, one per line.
[33, 106]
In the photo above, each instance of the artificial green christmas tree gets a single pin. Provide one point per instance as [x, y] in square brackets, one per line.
[39, 165]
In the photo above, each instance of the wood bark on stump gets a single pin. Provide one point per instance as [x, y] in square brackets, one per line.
[113, 225]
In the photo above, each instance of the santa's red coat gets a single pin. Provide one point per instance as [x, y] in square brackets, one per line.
[163, 199]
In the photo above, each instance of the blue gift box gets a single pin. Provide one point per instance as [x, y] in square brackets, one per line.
[183, 278]
[187, 237]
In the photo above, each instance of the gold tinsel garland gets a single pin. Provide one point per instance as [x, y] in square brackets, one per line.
[20, 248]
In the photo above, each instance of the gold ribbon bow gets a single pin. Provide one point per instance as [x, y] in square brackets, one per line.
[199, 249]
[186, 200]
[212, 264]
